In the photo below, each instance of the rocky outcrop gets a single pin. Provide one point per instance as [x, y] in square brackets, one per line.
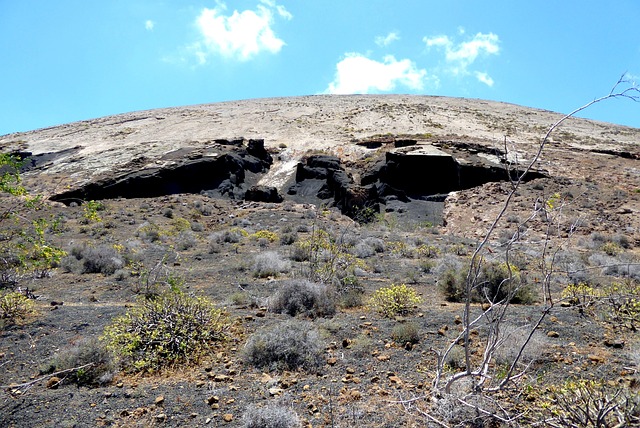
[224, 174]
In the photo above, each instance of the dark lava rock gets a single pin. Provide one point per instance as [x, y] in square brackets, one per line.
[263, 194]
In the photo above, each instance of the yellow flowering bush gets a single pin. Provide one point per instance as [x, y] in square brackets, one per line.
[394, 300]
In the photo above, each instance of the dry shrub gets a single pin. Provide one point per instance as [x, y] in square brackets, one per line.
[300, 296]
[93, 354]
[511, 341]
[289, 345]
[270, 416]
[270, 263]
[406, 332]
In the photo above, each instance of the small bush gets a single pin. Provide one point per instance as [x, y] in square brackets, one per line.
[270, 263]
[589, 403]
[179, 225]
[92, 352]
[167, 212]
[407, 332]
[103, 259]
[231, 236]
[495, 282]
[394, 300]
[289, 345]
[185, 240]
[288, 238]
[14, 306]
[148, 232]
[264, 234]
[303, 297]
[270, 416]
[352, 298]
[172, 328]
[511, 341]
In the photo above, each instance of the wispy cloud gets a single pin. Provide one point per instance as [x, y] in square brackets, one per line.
[357, 74]
[384, 41]
[484, 78]
[461, 56]
[240, 35]
[149, 24]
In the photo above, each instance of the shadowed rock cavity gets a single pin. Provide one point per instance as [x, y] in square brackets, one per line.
[222, 175]
[411, 179]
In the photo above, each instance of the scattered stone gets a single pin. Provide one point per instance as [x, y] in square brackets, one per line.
[53, 382]
[222, 378]
[596, 358]
[227, 417]
[213, 399]
[458, 319]
[383, 358]
[614, 343]
[350, 370]
[553, 333]
[161, 417]
[159, 400]
[332, 361]
[275, 391]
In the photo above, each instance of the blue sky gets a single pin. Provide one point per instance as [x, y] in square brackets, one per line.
[68, 60]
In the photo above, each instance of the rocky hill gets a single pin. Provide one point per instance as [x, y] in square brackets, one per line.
[391, 152]
[307, 262]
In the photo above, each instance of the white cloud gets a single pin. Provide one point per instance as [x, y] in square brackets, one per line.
[149, 24]
[241, 35]
[384, 41]
[357, 74]
[484, 78]
[461, 56]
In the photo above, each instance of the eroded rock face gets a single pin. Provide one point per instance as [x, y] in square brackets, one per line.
[223, 173]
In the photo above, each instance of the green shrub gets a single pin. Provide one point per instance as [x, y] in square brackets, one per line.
[289, 345]
[394, 300]
[611, 249]
[264, 234]
[14, 306]
[172, 328]
[495, 282]
[303, 297]
[270, 416]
